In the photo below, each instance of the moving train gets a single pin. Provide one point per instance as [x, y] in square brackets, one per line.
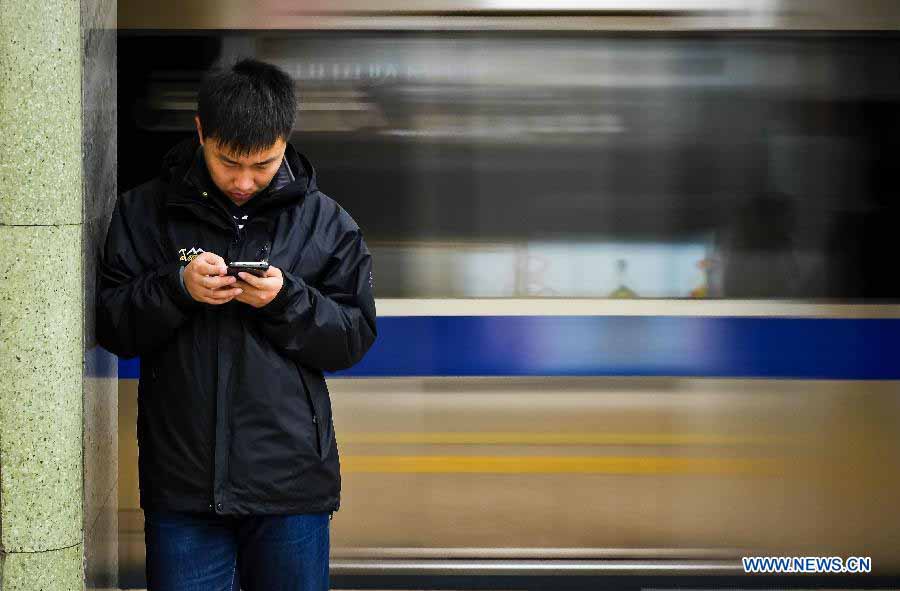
[634, 266]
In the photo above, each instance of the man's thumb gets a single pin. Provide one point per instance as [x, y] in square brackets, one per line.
[212, 258]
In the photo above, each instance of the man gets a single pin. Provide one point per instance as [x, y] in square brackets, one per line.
[238, 462]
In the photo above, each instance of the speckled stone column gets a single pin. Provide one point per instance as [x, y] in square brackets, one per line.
[41, 297]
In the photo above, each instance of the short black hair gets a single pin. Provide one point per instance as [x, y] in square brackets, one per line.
[247, 107]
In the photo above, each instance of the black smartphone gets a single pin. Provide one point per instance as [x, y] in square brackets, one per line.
[257, 268]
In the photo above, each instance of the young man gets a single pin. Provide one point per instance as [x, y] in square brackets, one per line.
[238, 462]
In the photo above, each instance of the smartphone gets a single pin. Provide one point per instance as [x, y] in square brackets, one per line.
[257, 268]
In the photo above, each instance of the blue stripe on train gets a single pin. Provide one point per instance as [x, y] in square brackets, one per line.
[852, 349]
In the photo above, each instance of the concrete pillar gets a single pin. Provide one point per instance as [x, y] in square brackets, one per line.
[43, 244]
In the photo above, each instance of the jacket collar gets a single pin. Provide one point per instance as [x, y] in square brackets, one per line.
[185, 169]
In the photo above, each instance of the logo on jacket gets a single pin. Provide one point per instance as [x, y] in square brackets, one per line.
[189, 255]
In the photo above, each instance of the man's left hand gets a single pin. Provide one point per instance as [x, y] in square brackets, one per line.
[259, 291]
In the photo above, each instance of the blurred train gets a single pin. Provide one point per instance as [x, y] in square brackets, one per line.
[635, 268]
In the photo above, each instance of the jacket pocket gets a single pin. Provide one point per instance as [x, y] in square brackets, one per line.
[316, 415]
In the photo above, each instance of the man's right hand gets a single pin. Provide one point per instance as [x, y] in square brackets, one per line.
[206, 281]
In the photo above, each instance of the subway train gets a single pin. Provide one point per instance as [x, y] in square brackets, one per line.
[634, 268]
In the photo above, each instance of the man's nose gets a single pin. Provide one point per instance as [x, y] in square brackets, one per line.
[244, 182]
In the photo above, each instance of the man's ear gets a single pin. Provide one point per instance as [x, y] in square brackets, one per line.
[199, 128]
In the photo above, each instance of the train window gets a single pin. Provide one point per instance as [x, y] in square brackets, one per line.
[486, 164]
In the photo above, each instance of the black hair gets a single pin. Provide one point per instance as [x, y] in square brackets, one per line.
[247, 107]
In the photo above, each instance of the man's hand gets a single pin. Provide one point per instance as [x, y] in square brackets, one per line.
[206, 281]
[259, 291]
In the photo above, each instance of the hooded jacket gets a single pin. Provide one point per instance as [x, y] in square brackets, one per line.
[234, 414]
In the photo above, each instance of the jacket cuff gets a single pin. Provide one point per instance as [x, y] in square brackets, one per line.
[173, 283]
[181, 279]
[290, 286]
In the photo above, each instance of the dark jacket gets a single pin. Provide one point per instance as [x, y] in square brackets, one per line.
[234, 414]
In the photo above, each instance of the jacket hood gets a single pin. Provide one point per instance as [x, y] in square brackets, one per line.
[178, 161]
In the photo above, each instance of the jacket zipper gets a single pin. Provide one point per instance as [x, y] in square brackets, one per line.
[226, 407]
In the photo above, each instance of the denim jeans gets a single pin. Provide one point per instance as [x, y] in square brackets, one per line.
[208, 552]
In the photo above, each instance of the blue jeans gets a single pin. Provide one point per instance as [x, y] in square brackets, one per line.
[208, 552]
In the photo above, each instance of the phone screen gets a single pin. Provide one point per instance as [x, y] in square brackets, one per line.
[256, 268]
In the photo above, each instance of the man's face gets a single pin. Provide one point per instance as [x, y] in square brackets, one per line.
[241, 177]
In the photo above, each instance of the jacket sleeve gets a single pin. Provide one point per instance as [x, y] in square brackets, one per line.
[332, 325]
[139, 306]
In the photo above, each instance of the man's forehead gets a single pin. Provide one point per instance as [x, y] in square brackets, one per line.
[263, 155]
